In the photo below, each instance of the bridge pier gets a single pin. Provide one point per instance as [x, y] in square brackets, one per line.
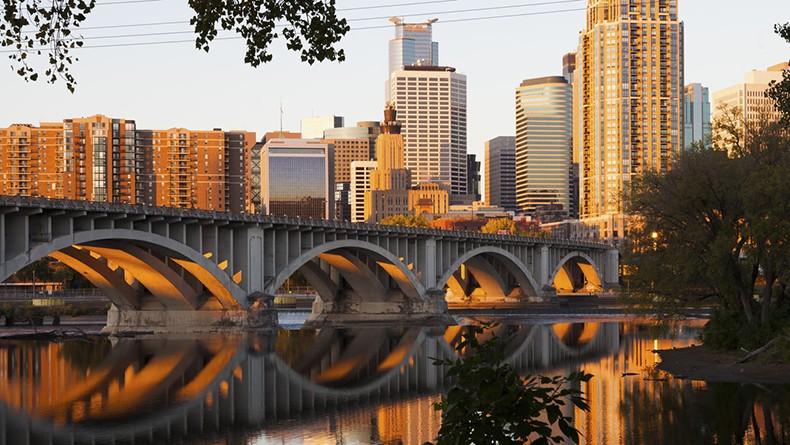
[130, 321]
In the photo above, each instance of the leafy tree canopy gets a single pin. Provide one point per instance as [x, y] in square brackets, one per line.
[780, 91]
[48, 30]
[405, 221]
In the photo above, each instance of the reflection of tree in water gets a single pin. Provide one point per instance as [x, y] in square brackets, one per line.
[693, 412]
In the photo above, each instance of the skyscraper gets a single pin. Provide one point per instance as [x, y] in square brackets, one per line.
[31, 160]
[697, 114]
[296, 178]
[569, 72]
[374, 130]
[543, 143]
[431, 104]
[630, 83]
[412, 45]
[390, 180]
[500, 172]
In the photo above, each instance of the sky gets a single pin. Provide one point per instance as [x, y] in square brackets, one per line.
[175, 85]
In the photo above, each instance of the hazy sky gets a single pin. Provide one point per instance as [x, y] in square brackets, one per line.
[163, 86]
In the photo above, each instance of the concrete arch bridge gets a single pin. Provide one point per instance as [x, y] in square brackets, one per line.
[172, 269]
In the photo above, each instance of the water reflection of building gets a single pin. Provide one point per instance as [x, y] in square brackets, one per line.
[296, 178]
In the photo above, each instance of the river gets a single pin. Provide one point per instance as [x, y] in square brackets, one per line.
[359, 385]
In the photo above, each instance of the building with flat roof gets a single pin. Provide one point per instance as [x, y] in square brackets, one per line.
[500, 172]
[360, 184]
[313, 127]
[696, 114]
[297, 178]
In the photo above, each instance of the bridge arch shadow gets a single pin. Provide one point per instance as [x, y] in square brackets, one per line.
[577, 273]
[353, 276]
[139, 270]
[488, 274]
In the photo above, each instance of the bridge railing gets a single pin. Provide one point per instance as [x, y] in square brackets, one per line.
[121, 208]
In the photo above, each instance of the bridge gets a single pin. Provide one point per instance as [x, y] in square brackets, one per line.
[164, 389]
[174, 269]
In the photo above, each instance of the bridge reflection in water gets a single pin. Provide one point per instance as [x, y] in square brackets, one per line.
[360, 385]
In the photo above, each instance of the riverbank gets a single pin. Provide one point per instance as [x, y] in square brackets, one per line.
[703, 363]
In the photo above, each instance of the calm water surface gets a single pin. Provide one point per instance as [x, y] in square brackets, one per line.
[358, 386]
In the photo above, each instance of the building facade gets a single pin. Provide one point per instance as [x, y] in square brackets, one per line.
[360, 184]
[629, 69]
[314, 127]
[569, 73]
[429, 197]
[390, 181]
[473, 177]
[748, 97]
[543, 143]
[296, 178]
[431, 104]
[412, 45]
[374, 130]
[31, 160]
[500, 172]
[348, 147]
[696, 113]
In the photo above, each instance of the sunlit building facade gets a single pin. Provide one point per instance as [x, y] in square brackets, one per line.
[297, 178]
[543, 143]
[629, 69]
[31, 160]
[390, 181]
[360, 184]
[314, 127]
[696, 114]
[431, 104]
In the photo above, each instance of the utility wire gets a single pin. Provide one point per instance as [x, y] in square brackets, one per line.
[165, 42]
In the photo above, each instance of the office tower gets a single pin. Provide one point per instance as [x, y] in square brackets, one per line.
[412, 45]
[630, 83]
[31, 160]
[472, 177]
[390, 180]
[360, 183]
[749, 96]
[374, 130]
[297, 178]
[543, 143]
[314, 127]
[429, 197]
[238, 171]
[431, 104]
[351, 144]
[696, 112]
[500, 168]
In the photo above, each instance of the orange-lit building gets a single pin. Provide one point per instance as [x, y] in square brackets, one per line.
[104, 159]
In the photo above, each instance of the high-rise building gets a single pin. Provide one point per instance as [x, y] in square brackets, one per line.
[390, 181]
[374, 130]
[630, 83]
[749, 96]
[201, 169]
[350, 144]
[144, 167]
[431, 104]
[99, 159]
[500, 172]
[342, 201]
[412, 45]
[569, 72]
[697, 114]
[472, 177]
[543, 143]
[360, 184]
[255, 176]
[31, 160]
[314, 127]
[297, 178]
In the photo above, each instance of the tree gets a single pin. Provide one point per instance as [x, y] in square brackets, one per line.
[718, 225]
[49, 29]
[780, 91]
[489, 403]
[405, 221]
[500, 225]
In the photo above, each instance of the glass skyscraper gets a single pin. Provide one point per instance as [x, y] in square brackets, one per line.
[697, 114]
[413, 45]
[543, 143]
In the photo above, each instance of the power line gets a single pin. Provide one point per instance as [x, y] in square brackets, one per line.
[165, 42]
[124, 2]
[426, 2]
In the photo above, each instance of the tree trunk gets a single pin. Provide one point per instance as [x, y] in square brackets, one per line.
[770, 278]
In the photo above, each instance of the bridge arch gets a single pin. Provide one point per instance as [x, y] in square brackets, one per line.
[576, 271]
[511, 263]
[340, 255]
[124, 245]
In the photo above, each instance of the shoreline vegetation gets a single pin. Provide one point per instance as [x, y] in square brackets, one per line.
[710, 365]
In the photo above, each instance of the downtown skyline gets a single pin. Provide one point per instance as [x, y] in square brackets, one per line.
[159, 81]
